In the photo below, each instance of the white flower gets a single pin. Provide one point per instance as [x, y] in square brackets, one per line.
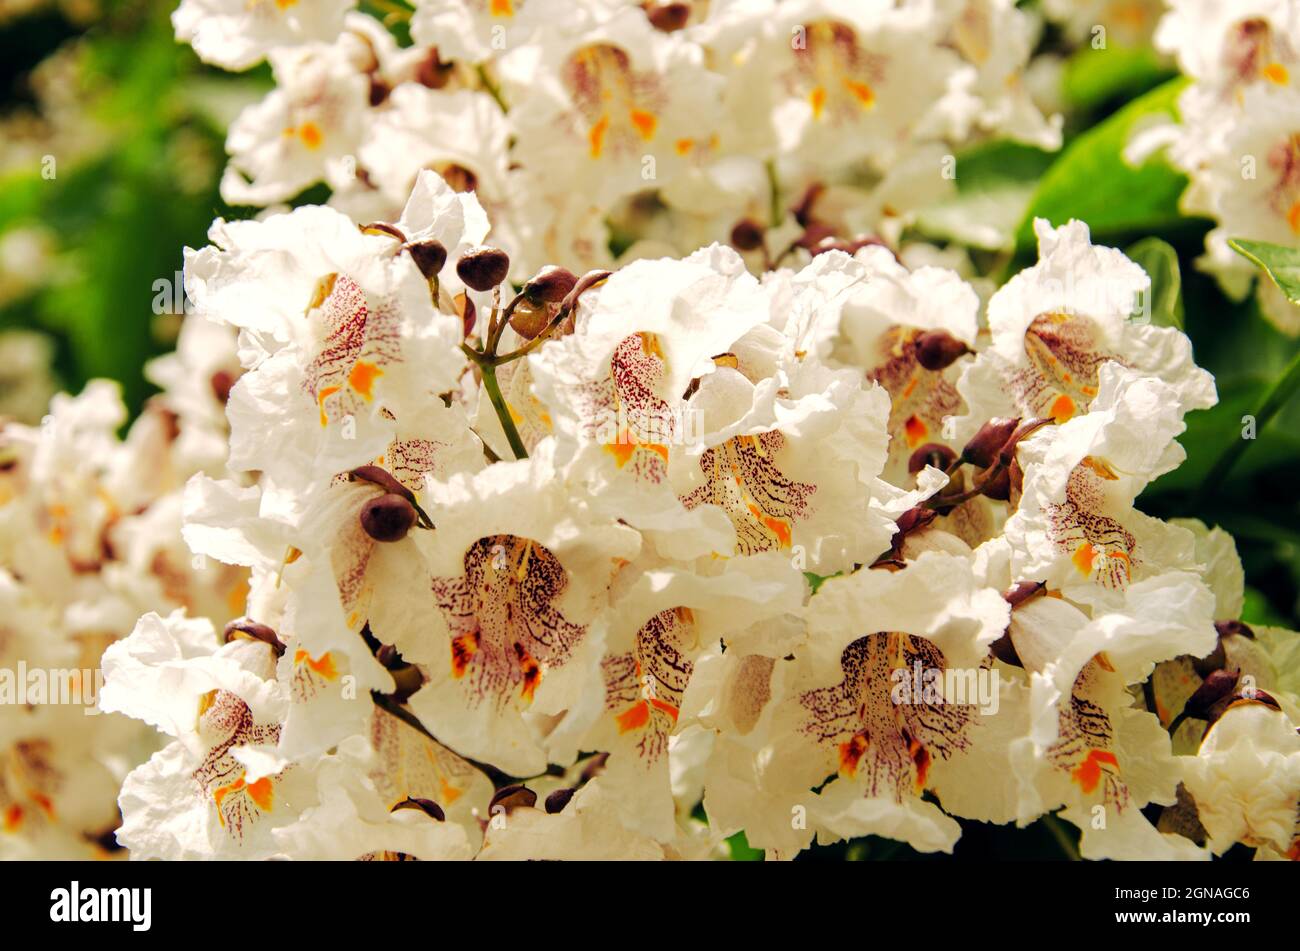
[236, 34]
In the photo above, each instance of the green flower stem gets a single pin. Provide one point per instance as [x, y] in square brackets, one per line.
[1274, 399]
[493, 388]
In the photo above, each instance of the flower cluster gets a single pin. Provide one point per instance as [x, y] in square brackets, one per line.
[1238, 138]
[621, 564]
[657, 127]
[90, 538]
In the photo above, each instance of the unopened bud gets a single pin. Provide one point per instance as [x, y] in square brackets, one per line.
[1018, 594]
[938, 349]
[747, 235]
[668, 17]
[995, 483]
[558, 799]
[512, 797]
[429, 257]
[427, 806]
[1005, 650]
[1218, 686]
[223, 381]
[528, 319]
[550, 285]
[483, 268]
[244, 629]
[1238, 628]
[387, 518]
[585, 283]
[931, 454]
[984, 446]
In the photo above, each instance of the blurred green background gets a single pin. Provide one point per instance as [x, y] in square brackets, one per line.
[111, 148]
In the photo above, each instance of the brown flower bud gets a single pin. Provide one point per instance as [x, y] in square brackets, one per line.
[387, 518]
[483, 268]
[1240, 629]
[379, 91]
[223, 381]
[803, 211]
[931, 454]
[995, 484]
[244, 629]
[381, 477]
[528, 319]
[429, 256]
[1018, 594]
[938, 349]
[585, 283]
[427, 806]
[1218, 686]
[550, 285]
[747, 235]
[1005, 650]
[433, 72]
[558, 799]
[668, 17]
[512, 797]
[984, 446]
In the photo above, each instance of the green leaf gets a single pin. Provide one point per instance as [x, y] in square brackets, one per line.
[1280, 263]
[741, 850]
[1160, 261]
[1092, 182]
[1092, 77]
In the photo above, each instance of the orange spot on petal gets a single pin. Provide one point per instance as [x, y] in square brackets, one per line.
[596, 136]
[645, 123]
[817, 99]
[363, 376]
[1083, 558]
[915, 431]
[1062, 409]
[1088, 773]
[634, 717]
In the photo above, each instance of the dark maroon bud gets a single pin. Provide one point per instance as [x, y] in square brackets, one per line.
[378, 91]
[557, 800]
[1217, 686]
[1005, 650]
[585, 283]
[1007, 454]
[512, 797]
[387, 518]
[747, 235]
[528, 319]
[931, 454]
[382, 227]
[1018, 594]
[1226, 628]
[985, 445]
[223, 381]
[668, 17]
[1214, 660]
[433, 72]
[910, 521]
[427, 806]
[803, 212]
[244, 629]
[483, 268]
[550, 285]
[382, 478]
[938, 349]
[817, 238]
[429, 257]
[995, 483]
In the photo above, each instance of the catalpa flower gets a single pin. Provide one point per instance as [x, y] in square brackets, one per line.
[1056, 324]
[237, 34]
